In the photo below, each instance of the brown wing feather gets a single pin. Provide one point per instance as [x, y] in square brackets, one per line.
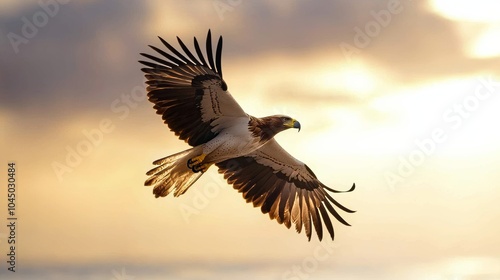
[188, 92]
[285, 188]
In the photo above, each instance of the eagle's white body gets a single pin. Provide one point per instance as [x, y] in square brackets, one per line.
[234, 141]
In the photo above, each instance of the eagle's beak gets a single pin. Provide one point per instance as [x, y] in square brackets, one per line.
[293, 123]
[296, 124]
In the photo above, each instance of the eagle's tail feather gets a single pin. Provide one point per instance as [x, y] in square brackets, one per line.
[172, 174]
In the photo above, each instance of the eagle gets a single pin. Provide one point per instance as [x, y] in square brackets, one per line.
[189, 92]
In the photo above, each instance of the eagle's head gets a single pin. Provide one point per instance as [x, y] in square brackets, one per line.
[282, 122]
[265, 128]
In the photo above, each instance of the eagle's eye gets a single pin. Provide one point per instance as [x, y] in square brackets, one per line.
[285, 119]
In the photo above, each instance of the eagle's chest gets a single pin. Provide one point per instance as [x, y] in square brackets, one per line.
[232, 143]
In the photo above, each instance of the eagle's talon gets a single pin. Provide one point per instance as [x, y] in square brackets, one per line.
[195, 169]
[193, 162]
[190, 164]
[201, 168]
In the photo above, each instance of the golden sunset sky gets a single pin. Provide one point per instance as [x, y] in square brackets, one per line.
[400, 97]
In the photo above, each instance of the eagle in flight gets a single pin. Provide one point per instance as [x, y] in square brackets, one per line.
[188, 91]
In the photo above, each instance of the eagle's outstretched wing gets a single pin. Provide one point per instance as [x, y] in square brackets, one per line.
[189, 92]
[284, 187]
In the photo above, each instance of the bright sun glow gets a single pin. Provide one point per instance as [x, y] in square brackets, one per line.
[474, 11]
[437, 102]
[487, 43]
[358, 79]
[480, 24]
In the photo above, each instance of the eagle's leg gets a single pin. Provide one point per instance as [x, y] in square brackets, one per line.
[196, 164]
[191, 163]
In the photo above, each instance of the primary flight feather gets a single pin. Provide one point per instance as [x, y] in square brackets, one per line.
[193, 99]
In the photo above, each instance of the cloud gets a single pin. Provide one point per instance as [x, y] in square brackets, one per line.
[84, 56]
[415, 44]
